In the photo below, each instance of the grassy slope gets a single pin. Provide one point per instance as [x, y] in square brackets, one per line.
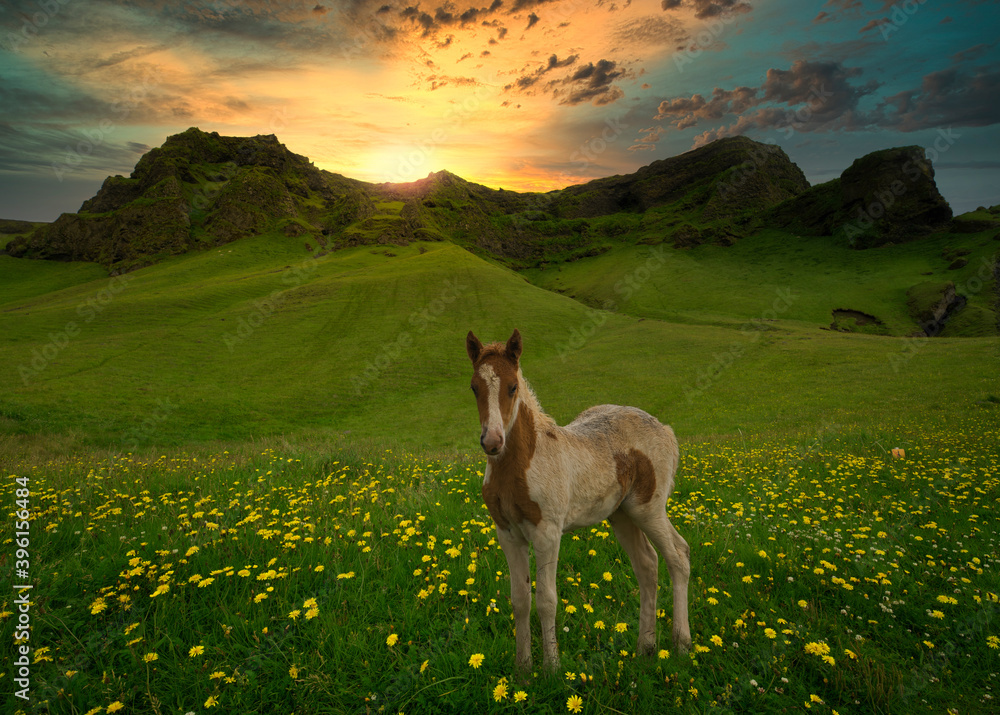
[371, 344]
[722, 285]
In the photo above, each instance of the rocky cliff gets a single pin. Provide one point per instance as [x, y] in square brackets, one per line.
[884, 197]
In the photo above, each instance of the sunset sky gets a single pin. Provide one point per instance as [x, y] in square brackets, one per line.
[520, 94]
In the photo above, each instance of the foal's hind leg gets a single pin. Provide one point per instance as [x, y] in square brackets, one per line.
[645, 564]
[676, 552]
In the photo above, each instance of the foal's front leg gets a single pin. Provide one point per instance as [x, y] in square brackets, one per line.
[515, 549]
[546, 542]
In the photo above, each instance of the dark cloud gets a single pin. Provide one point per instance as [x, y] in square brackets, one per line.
[971, 53]
[874, 24]
[705, 9]
[946, 98]
[447, 16]
[520, 5]
[528, 80]
[811, 96]
[594, 83]
[532, 21]
[651, 30]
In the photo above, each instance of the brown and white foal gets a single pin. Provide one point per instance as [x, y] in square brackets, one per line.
[542, 480]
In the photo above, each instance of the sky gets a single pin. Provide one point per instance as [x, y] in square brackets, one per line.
[528, 95]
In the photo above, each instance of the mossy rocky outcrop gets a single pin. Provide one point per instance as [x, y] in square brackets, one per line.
[887, 196]
[199, 189]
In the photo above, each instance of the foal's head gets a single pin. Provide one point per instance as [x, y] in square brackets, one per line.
[495, 384]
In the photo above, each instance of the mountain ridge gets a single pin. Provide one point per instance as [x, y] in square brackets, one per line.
[200, 190]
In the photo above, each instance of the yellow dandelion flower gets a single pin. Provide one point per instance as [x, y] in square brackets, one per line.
[115, 706]
[97, 606]
[663, 654]
[476, 660]
[392, 640]
[423, 666]
[770, 633]
[196, 651]
[607, 576]
[294, 672]
[716, 640]
[574, 703]
[712, 601]
[150, 657]
[500, 691]
[520, 696]
[993, 642]
[211, 702]
[295, 614]
[599, 625]
[803, 604]
[621, 627]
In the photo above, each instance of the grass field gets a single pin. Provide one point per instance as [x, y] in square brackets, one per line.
[826, 574]
[248, 469]
[258, 338]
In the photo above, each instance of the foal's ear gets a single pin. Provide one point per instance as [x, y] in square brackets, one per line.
[473, 346]
[514, 346]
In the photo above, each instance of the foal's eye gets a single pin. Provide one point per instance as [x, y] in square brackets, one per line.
[475, 391]
[513, 389]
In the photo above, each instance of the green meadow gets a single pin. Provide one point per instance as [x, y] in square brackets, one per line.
[253, 481]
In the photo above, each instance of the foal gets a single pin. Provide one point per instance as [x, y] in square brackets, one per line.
[542, 480]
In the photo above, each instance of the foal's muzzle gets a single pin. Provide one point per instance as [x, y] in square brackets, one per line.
[491, 441]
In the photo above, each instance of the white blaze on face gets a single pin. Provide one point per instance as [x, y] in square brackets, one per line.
[493, 432]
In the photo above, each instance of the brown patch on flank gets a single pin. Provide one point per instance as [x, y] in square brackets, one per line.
[506, 493]
[635, 475]
[551, 435]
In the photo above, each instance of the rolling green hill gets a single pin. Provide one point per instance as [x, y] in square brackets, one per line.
[337, 308]
[259, 338]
